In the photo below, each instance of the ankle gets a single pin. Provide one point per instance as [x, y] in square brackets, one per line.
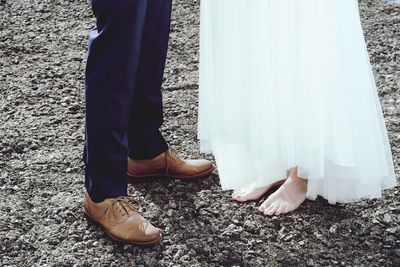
[301, 183]
[297, 182]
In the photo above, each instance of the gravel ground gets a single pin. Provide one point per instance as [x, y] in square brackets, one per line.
[42, 59]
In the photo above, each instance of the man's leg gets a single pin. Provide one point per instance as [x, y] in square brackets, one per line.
[148, 151]
[145, 139]
[114, 54]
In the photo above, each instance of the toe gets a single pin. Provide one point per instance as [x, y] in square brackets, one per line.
[238, 198]
[261, 208]
[270, 210]
[264, 206]
[286, 210]
[280, 210]
[273, 211]
[235, 194]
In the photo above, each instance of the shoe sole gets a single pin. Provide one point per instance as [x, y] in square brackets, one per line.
[123, 242]
[153, 177]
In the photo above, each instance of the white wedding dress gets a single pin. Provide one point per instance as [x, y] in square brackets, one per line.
[287, 83]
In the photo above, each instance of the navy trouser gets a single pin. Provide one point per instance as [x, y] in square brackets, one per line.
[127, 53]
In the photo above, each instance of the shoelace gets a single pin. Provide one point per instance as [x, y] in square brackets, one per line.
[126, 205]
[174, 152]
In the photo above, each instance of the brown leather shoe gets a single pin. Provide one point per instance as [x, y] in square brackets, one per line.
[168, 164]
[121, 221]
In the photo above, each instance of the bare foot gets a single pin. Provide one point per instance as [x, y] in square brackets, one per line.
[287, 198]
[255, 194]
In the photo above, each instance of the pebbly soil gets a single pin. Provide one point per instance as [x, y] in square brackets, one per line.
[42, 59]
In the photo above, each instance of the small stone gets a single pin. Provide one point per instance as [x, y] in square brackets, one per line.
[391, 230]
[387, 218]
[172, 204]
[288, 237]
[375, 221]
[169, 213]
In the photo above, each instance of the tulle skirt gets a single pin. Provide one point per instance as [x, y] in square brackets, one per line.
[287, 83]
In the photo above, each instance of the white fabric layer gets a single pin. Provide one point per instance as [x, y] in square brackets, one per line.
[287, 83]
